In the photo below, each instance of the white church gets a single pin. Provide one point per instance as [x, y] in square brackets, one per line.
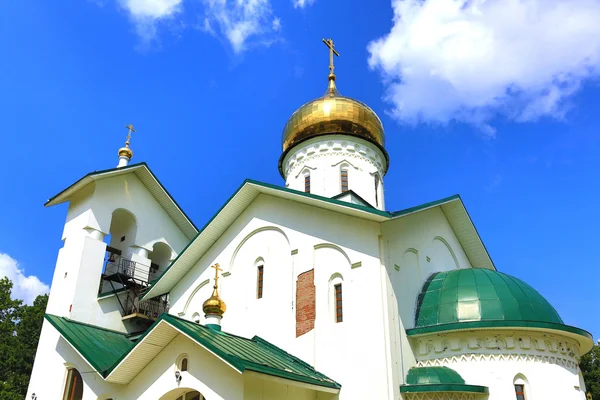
[311, 290]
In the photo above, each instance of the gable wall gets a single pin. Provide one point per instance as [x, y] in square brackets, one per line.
[416, 246]
[293, 238]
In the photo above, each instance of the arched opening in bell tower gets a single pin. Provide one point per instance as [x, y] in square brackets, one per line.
[160, 257]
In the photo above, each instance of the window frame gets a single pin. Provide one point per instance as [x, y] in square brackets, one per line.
[260, 276]
[338, 302]
[344, 180]
[307, 182]
[73, 379]
[520, 393]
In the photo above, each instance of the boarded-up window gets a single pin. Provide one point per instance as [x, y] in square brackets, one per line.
[305, 302]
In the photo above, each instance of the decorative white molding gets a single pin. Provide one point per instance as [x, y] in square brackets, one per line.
[473, 358]
[496, 345]
[337, 147]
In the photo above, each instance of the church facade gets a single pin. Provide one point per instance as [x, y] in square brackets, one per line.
[307, 291]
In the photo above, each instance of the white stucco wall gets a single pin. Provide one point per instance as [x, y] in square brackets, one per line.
[273, 229]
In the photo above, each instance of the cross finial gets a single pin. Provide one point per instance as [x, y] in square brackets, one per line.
[217, 269]
[131, 129]
[332, 51]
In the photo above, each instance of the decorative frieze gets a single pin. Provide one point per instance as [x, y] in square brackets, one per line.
[333, 148]
[514, 346]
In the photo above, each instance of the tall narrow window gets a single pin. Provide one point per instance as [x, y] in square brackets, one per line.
[74, 387]
[184, 365]
[307, 183]
[338, 303]
[520, 392]
[259, 283]
[344, 178]
[376, 190]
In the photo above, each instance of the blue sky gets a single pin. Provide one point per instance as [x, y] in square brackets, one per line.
[496, 101]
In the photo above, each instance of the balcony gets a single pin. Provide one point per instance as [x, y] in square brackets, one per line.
[129, 280]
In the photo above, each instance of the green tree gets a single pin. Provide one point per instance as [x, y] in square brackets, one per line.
[20, 327]
[590, 369]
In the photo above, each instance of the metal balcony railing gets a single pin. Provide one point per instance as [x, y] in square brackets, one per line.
[131, 277]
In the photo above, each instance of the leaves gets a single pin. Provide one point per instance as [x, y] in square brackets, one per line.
[20, 327]
[590, 368]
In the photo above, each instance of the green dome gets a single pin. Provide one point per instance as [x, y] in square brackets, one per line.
[437, 380]
[475, 294]
[431, 375]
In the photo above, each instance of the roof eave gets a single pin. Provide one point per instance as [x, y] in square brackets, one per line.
[188, 227]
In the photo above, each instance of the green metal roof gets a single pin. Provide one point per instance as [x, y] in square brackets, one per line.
[426, 375]
[108, 351]
[482, 298]
[254, 354]
[452, 207]
[100, 347]
[437, 379]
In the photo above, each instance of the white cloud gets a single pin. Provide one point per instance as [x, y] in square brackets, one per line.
[470, 60]
[25, 287]
[147, 13]
[240, 20]
[302, 3]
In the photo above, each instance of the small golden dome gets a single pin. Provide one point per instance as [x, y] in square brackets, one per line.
[332, 114]
[126, 151]
[214, 305]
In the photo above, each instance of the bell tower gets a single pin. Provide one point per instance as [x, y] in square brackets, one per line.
[122, 231]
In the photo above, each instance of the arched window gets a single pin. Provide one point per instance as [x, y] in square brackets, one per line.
[259, 281]
[184, 364]
[74, 386]
[339, 314]
[336, 309]
[344, 178]
[181, 363]
[307, 182]
[520, 384]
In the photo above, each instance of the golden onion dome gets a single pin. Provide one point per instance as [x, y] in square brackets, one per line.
[214, 305]
[332, 114]
[126, 151]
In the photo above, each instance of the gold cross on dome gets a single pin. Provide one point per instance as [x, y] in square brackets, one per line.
[131, 129]
[332, 51]
[217, 269]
